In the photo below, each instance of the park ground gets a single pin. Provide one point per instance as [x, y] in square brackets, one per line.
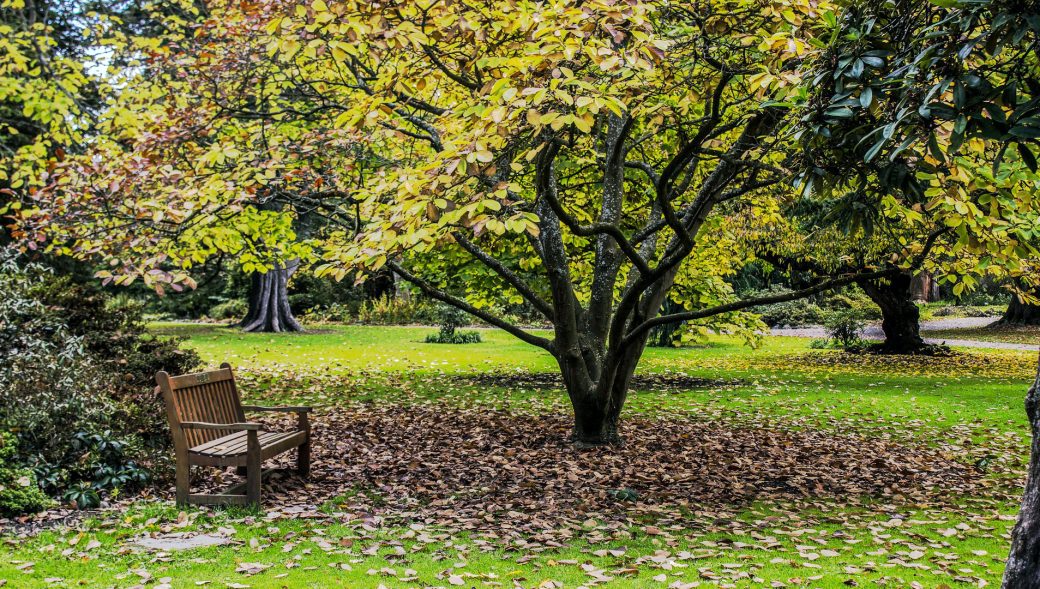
[446, 465]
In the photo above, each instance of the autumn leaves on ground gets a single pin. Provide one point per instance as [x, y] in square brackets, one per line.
[773, 467]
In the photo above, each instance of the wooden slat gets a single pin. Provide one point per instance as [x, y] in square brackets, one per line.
[198, 378]
[235, 443]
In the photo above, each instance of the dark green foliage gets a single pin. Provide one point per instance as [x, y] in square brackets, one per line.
[797, 313]
[896, 74]
[816, 309]
[451, 320]
[390, 310]
[232, 309]
[76, 382]
[19, 490]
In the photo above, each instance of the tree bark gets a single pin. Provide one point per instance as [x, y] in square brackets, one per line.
[924, 288]
[900, 317]
[269, 302]
[1020, 313]
[1023, 563]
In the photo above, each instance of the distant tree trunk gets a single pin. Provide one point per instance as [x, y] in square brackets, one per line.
[269, 301]
[900, 317]
[1020, 313]
[381, 284]
[1023, 563]
[924, 288]
[662, 336]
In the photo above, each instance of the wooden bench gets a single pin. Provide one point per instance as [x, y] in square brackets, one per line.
[210, 429]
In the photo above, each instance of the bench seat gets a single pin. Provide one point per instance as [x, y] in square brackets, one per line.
[231, 450]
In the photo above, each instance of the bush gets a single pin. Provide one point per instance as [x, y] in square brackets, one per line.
[844, 327]
[76, 382]
[390, 310]
[334, 313]
[815, 310]
[797, 313]
[19, 491]
[451, 320]
[233, 309]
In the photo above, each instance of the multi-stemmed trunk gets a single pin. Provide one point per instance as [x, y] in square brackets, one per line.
[269, 309]
[900, 317]
[1023, 564]
[597, 405]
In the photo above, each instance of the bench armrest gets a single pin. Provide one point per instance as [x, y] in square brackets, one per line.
[231, 426]
[278, 409]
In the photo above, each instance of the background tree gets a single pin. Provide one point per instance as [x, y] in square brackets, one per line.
[1022, 311]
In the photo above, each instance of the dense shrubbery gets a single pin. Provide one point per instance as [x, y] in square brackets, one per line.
[76, 388]
[816, 310]
[796, 313]
[390, 310]
[233, 309]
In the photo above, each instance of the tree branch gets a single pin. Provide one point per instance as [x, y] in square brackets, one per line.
[435, 293]
[635, 332]
[508, 275]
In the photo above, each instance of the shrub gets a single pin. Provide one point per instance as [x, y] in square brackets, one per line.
[232, 309]
[815, 310]
[844, 327]
[334, 313]
[76, 382]
[797, 313]
[451, 320]
[19, 490]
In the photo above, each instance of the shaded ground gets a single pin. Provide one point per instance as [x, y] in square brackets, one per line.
[510, 476]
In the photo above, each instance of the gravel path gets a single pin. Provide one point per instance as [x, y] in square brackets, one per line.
[873, 332]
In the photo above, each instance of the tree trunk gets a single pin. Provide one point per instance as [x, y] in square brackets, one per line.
[597, 406]
[924, 288]
[900, 317]
[1020, 313]
[269, 302]
[1023, 564]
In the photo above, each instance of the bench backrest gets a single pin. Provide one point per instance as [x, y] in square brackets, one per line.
[209, 397]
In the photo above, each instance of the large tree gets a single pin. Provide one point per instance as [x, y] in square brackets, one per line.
[590, 158]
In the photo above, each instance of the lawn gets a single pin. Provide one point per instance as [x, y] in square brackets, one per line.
[1014, 334]
[442, 466]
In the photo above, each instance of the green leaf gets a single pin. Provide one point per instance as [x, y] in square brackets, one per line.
[866, 97]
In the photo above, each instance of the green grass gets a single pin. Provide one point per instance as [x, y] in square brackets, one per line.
[1027, 334]
[974, 401]
[928, 310]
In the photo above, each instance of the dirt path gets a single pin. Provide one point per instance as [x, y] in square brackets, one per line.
[873, 332]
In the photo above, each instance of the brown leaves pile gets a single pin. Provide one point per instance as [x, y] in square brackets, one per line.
[514, 476]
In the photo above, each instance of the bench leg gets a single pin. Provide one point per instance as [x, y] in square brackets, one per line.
[254, 472]
[303, 455]
[183, 482]
[303, 459]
